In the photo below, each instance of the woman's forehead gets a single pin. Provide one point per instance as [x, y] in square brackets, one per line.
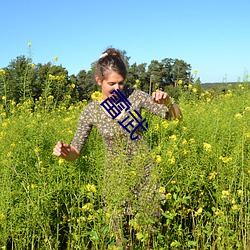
[114, 77]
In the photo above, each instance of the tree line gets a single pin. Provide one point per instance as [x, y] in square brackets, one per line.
[22, 79]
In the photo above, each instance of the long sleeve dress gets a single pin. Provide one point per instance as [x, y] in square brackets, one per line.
[111, 131]
[128, 165]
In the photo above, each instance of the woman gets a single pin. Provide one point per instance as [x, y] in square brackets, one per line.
[110, 74]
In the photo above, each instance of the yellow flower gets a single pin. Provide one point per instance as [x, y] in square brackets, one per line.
[175, 122]
[173, 137]
[90, 217]
[212, 175]
[37, 149]
[194, 90]
[171, 160]
[61, 161]
[56, 58]
[133, 173]
[190, 86]
[51, 77]
[2, 72]
[4, 124]
[156, 127]
[87, 207]
[91, 188]
[207, 147]
[162, 190]
[2, 217]
[198, 212]
[50, 97]
[158, 159]
[108, 215]
[184, 141]
[225, 193]
[13, 103]
[137, 81]
[180, 82]
[168, 196]
[29, 44]
[235, 207]
[218, 212]
[225, 159]
[195, 71]
[3, 97]
[238, 116]
[73, 85]
[96, 96]
[191, 140]
[239, 192]
[246, 108]
[135, 86]
[164, 124]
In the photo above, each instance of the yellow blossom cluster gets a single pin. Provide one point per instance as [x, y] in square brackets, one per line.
[2, 72]
[225, 193]
[225, 159]
[207, 147]
[212, 175]
[238, 116]
[96, 96]
[57, 78]
[91, 188]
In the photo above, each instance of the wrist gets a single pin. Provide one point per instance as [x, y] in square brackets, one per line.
[169, 103]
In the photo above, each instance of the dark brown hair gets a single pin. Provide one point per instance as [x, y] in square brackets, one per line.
[110, 60]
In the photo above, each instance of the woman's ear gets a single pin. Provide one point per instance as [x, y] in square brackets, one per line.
[98, 80]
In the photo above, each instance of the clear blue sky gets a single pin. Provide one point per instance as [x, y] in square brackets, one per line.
[212, 36]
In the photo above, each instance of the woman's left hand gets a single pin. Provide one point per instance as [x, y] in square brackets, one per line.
[161, 97]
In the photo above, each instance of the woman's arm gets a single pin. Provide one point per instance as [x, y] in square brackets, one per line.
[163, 98]
[160, 104]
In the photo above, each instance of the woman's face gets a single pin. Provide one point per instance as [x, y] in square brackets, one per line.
[112, 81]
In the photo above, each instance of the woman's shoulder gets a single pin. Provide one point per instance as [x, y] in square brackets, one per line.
[134, 93]
[91, 106]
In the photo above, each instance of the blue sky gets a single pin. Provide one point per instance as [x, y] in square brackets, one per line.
[212, 36]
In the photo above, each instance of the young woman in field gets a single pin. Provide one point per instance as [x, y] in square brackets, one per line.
[110, 74]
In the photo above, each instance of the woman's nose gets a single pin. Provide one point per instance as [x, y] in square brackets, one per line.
[117, 86]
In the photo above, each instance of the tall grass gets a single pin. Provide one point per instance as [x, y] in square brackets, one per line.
[202, 163]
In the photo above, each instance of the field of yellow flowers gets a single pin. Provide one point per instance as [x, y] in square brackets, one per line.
[203, 163]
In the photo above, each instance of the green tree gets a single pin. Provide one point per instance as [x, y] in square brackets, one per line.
[18, 79]
[86, 84]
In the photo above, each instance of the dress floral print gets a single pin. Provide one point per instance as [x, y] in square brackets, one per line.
[112, 132]
[137, 192]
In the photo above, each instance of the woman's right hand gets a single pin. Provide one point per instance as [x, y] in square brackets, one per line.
[62, 149]
[66, 151]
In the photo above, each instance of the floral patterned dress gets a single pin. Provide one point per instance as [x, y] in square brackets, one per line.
[112, 132]
[129, 173]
